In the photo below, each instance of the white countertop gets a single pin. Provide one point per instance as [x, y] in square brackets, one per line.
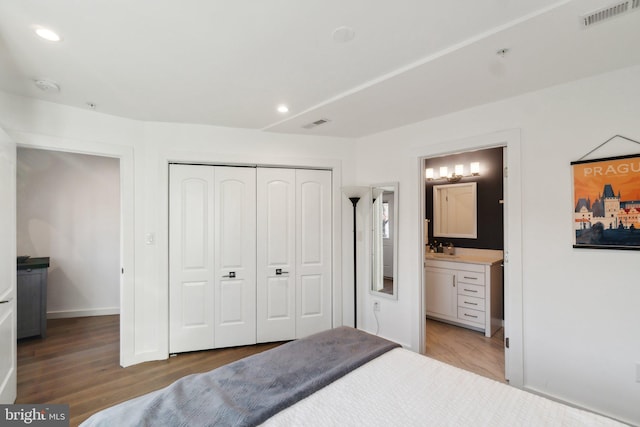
[471, 256]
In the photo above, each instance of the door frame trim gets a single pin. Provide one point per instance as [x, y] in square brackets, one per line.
[127, 219]
[513, 280]
[167, 157]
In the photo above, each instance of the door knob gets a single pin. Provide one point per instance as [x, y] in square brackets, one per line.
[6, 301]
[231, 275]
[279, 272]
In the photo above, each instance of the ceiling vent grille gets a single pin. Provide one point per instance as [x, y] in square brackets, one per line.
[609, 12]
[320, 122]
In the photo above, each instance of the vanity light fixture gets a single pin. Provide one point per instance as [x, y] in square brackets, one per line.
[456, 175]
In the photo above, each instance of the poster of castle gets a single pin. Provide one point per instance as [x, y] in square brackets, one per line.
[607, 203]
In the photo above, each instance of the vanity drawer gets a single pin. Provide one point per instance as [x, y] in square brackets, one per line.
[471, 290]
[471, 302]
[471, 316]
[472, 277]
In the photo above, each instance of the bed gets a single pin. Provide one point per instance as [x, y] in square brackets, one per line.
[342, 377]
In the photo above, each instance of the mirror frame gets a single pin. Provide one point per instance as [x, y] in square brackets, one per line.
[437, 232]
[388, 186]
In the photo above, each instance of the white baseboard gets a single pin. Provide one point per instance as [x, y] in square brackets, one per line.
[83, 313]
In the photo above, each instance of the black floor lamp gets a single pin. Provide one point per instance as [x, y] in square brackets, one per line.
[354, 194]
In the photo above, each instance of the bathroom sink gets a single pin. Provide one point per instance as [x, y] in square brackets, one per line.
[441, 255]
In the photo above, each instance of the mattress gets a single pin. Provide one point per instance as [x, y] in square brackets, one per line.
[402, 388]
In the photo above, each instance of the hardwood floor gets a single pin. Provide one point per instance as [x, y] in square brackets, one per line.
[78, 364]
[466, 349]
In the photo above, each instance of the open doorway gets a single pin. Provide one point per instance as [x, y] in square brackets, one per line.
[464, 246]
[69, 211]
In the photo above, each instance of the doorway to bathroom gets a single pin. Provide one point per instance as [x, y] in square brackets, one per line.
[464, 247]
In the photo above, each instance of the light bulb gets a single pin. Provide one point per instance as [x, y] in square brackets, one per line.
[475, 168]
[429, 173]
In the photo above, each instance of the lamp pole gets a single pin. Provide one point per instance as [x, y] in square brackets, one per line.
[354, 201]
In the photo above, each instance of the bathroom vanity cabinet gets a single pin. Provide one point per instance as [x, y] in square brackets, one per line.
[466, 291]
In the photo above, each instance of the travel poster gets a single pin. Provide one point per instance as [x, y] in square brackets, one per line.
[607, 203]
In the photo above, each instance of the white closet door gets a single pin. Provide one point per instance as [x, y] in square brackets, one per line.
[276, 304]
[313, 251]
[191, 254]
[235, 261]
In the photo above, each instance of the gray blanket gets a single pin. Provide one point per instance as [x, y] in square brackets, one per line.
[249, 391]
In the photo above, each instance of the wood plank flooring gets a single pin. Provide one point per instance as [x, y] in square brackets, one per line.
[78, 364]
[466, 349]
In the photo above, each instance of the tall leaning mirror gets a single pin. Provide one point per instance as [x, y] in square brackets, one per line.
[384, 240]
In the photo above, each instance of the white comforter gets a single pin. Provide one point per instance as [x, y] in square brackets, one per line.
[402, 388]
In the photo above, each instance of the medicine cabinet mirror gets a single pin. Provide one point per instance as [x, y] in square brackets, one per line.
[384, 240]
[455, 210]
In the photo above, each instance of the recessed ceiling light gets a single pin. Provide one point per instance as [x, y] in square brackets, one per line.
[283, 109]
[47, 34]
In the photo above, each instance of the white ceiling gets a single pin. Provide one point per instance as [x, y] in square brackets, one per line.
[230, 63]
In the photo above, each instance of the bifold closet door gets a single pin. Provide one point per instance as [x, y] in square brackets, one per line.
[276, 292]
[212, 257]
[235, 255]
[191, 255]
[313, 251]
[294, 253]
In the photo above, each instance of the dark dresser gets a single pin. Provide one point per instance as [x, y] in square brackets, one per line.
[32, 297]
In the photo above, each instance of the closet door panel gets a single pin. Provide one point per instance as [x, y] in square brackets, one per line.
[235, 247]
[313, 245]
[311, 295]
[276, 254]
[191, 253]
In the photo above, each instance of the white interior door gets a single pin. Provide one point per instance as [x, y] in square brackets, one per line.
[191, 254]
[8, 336]
[276, 231]
[235, 260]
[313, 251]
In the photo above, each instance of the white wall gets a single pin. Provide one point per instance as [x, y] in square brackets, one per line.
[68, 209]
[144, 150]
[581, 321]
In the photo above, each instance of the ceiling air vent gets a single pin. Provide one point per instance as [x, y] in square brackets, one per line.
[320, 122]
[612, 11]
